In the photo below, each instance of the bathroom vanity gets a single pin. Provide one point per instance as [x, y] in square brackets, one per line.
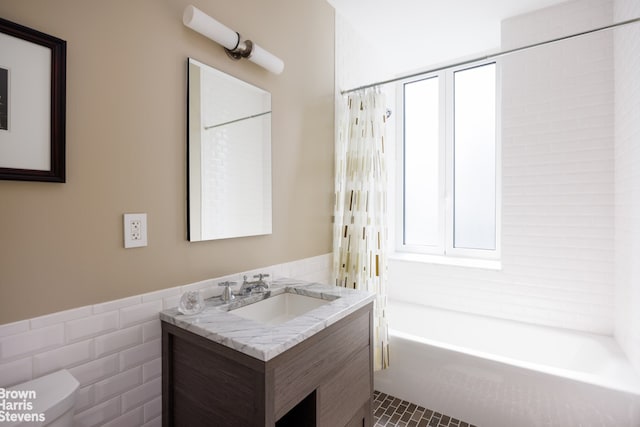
[309, 369]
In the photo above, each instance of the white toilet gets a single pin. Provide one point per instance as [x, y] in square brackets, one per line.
[55, 397]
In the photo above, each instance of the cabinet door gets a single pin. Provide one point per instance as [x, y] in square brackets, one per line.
[301, 370]
[343, 399]
[202, 387]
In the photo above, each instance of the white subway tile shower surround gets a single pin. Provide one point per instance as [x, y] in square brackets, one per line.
[558, 184]
[627, 179]
[113, 348]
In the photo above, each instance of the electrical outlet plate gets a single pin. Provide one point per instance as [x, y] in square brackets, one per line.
[135, 230]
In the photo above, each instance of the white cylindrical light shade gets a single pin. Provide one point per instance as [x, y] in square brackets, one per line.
[266, 59]
[199, 21]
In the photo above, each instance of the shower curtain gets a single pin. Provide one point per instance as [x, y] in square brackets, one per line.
[360, 221]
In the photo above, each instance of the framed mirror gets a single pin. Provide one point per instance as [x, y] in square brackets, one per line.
[229, 156]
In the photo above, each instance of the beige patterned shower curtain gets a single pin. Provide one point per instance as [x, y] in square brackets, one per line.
[360, 224]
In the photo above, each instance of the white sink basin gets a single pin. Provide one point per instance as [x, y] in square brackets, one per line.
[279, 308]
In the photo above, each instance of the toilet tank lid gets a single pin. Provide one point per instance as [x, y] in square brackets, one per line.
[54, 395]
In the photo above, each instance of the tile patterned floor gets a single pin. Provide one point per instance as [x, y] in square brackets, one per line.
[390, 411]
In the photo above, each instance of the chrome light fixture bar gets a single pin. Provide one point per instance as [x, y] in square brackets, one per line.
[233, 44]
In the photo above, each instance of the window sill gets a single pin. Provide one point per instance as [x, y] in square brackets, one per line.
[486, 264]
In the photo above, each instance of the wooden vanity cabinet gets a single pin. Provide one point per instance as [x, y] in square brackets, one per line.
[326, 380]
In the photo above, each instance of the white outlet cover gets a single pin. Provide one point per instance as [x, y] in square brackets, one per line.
[135, 230]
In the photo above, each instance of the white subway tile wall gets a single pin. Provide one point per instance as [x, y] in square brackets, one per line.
[32, 341]
[91, 326]
[118, 340]
[114, 348]
[556, 21]
[558, 184]
[627, 179]
[69, 355]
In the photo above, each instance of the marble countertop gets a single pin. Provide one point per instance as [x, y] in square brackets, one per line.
[262, 341]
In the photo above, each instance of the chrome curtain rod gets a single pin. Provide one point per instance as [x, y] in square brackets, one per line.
[492, 56]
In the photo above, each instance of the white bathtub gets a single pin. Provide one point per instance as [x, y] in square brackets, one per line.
[497, 373]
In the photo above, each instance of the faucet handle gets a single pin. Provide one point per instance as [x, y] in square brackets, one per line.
[227, 295]
[227, 283]
[260, 282]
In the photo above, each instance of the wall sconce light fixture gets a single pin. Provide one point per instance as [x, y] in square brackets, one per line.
[233, 44]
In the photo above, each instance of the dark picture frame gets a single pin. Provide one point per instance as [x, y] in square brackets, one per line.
[18, 143]
[4, 96]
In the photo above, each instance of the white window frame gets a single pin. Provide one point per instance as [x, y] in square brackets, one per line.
[445, 251]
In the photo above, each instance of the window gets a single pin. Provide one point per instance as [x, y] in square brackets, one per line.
[449, 163]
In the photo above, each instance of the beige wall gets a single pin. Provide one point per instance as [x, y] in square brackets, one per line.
[61, 244]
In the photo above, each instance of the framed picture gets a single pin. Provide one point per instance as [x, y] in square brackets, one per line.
[32, 104]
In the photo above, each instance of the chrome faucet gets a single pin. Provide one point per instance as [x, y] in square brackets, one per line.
[256, 286]
[227, 294]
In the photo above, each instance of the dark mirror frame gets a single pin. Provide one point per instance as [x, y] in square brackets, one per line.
[58, 48]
